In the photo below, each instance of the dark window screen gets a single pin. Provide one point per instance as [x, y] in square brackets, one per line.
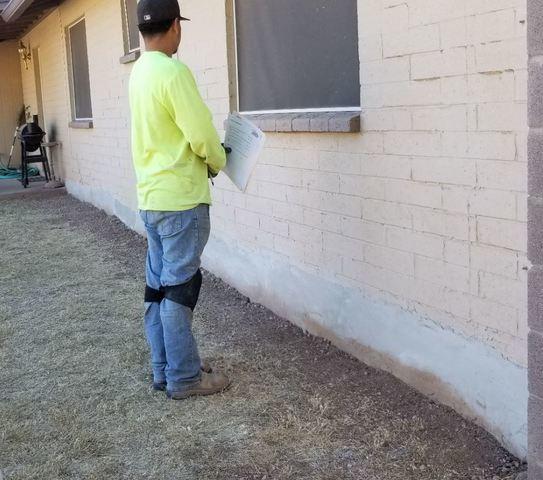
[131, 7]
[297, 54]
[80, 71]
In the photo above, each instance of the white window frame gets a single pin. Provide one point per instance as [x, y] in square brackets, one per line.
[288, 110]
[71, 66]
[126, 26]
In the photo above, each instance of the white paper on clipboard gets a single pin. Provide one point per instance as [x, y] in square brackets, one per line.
[246, 141]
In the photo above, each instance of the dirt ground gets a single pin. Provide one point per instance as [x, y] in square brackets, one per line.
[75, 397]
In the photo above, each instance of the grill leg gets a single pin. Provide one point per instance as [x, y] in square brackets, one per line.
[46, 169]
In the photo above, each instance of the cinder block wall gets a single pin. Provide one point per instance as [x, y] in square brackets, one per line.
[95, 163]
[427, 207]
[423, 212]
[404, 244]
[11, 98]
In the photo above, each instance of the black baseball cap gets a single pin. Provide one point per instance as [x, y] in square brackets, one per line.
[156, 11]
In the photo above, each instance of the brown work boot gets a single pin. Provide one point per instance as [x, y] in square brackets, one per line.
[161, 386]
[206, 366]
[209, 384]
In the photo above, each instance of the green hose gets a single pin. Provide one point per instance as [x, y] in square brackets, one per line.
[9, 173]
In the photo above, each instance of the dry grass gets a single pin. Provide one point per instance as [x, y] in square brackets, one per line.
[75, 401]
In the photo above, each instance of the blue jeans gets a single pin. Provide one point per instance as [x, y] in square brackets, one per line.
[176, 241]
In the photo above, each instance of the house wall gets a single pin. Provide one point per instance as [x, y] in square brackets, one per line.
[95, 163]
[11, 98]
[404, 244]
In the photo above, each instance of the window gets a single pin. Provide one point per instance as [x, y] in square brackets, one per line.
[297, 55]
[79, 71]
[130, 25]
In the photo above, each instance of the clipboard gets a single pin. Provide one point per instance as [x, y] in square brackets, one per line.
[246, 141]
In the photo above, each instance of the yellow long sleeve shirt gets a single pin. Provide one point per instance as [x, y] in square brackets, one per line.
[174, 140]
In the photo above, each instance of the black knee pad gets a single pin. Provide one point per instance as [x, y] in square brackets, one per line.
[187, 293]
[152, 295]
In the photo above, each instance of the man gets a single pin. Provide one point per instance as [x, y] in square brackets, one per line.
[175, 146]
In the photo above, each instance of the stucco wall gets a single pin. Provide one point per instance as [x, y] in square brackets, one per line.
[405, 244]
[11, 98]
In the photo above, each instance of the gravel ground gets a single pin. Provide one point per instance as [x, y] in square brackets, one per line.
[75, 397]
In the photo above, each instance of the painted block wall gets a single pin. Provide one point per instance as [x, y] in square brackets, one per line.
[404, 244]
[11, 98]
[95, 163]
[417, 226]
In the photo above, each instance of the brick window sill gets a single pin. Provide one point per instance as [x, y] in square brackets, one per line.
[348, 122]
[130, 57]
[81, 124]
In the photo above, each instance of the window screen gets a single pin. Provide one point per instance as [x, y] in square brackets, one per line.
[131, 24]
[80, 71]
[297, 54]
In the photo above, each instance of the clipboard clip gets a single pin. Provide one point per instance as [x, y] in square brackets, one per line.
[226, 149]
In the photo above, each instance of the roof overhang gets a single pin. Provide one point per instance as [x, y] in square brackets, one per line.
[17, 16]
[14, 9]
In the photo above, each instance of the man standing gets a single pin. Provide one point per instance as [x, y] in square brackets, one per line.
[175, 146]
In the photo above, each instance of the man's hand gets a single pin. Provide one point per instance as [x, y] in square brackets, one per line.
[210, 173]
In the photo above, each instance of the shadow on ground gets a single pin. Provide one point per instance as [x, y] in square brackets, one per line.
[75, 401]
